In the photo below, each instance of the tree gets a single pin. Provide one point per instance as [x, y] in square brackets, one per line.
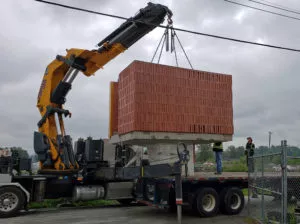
[234, 153]
[231, 150]
[240, 151]
[204, 153]
[18, 152]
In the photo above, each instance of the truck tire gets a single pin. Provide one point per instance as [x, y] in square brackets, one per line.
[232, 201]
[207, 202]
[12, 200]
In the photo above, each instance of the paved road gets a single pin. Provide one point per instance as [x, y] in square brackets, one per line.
[244, 174]
[132, 215]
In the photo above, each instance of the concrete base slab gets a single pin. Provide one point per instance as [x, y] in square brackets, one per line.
[167, 153]
[146, 138]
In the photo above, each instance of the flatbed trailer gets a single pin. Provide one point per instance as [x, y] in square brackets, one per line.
[206, 194]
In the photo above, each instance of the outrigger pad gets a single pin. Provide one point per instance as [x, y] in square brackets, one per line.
[41, 145]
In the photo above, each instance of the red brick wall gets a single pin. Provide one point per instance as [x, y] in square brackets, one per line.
[163, 98]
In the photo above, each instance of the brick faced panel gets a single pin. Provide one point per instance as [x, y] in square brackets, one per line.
[156, 97]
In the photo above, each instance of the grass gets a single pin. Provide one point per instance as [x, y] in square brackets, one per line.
[235, 166]
[291, 214]
[250, 220]
[245, 191]
[228, 166]
[53, 203]
[293, 161]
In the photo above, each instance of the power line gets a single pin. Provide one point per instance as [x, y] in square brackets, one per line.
[237, 40]
[276, 7]
[83, 10]
[263, 10]
[282, 6]
[178, 29]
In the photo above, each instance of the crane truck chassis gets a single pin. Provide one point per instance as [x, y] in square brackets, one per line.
[160, 186]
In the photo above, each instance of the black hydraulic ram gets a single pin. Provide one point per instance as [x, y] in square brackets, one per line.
[138, 26]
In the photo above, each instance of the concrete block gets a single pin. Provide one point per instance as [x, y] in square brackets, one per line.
[149, 138]
[167, 153]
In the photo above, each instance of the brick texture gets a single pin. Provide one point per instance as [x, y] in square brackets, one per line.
[162, 98]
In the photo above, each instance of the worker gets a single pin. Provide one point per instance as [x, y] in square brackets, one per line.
[249, 152]
[250, 146]
[218, 149]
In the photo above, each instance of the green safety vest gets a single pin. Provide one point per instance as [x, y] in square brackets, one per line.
[218, 147]
[250, 147]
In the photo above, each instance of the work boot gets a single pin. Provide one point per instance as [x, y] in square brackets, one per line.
[218, 173]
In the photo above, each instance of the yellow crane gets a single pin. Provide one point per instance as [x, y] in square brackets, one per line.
[51, 143]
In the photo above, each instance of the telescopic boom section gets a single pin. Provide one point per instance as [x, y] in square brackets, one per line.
[51, 144]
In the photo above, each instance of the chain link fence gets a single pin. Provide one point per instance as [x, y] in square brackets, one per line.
[274, 187]
[265, 188]
[293, 187]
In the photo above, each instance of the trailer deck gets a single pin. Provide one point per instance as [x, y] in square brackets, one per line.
[223, 176]
[210, 176]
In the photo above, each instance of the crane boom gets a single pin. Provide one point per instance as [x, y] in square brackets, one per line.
[51, 143]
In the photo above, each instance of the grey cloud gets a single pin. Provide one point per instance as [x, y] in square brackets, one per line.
[265, 81]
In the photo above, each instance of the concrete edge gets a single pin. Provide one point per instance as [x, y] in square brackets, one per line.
[138, 137]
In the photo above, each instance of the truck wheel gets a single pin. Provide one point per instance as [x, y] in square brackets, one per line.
[11, 201]
[207, 202]
[232, 201]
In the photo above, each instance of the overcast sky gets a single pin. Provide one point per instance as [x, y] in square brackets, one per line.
[265, 81]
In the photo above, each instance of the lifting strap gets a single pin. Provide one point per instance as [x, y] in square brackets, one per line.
[167, 39]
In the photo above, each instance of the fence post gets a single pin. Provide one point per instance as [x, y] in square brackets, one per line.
[249, 186]
[284, 182]
[262, 186]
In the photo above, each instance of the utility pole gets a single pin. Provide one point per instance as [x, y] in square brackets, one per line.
[270, 133]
